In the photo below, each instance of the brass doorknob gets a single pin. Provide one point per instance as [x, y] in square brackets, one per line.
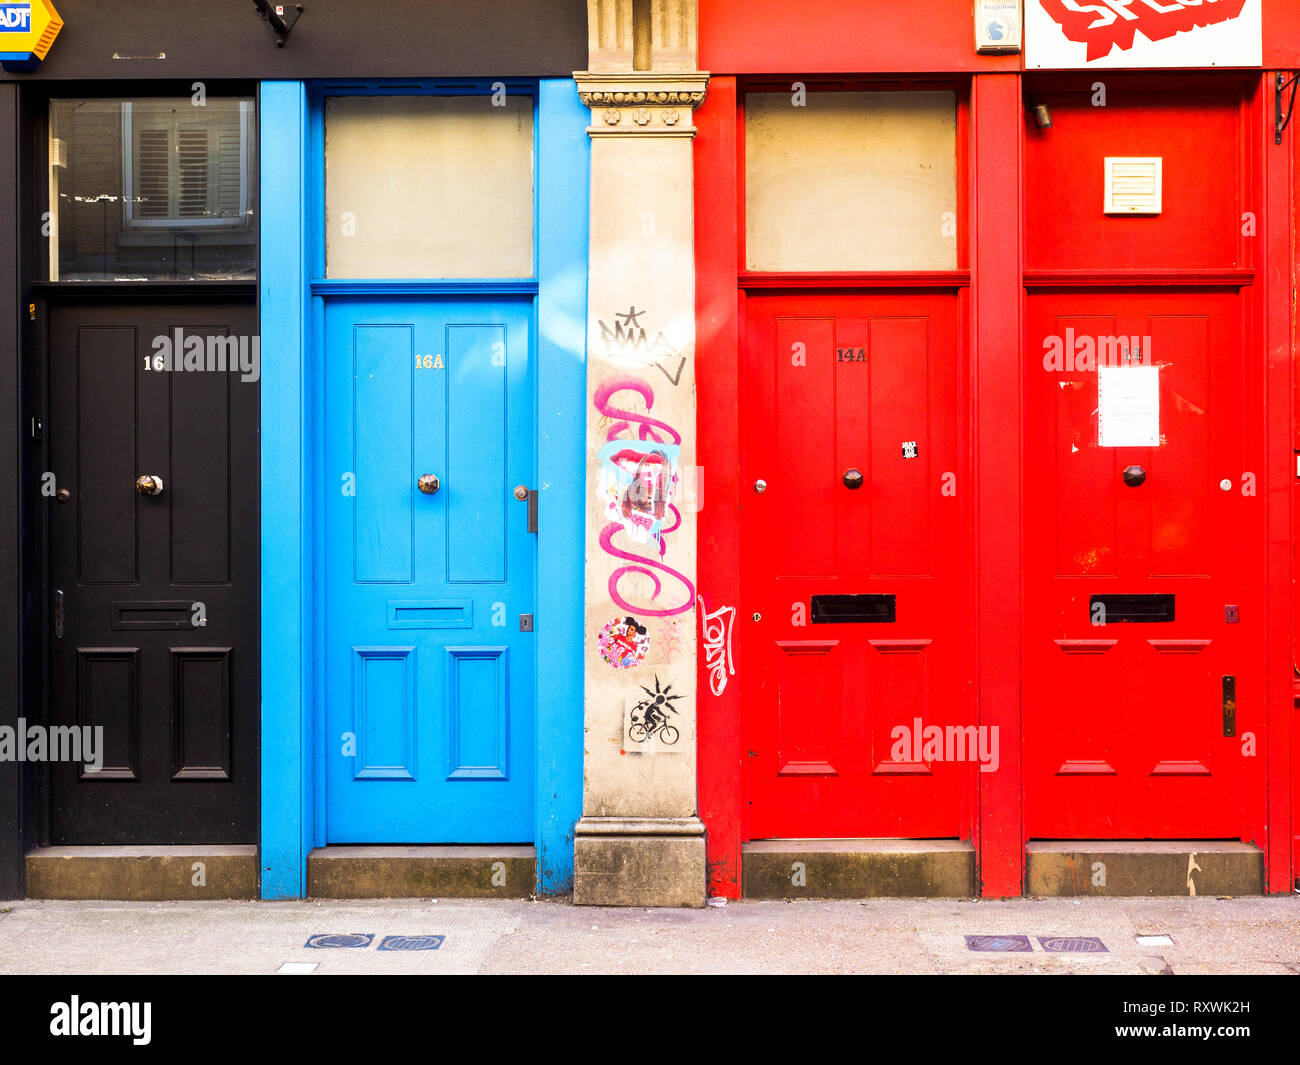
[148, 484]
[853, 479]
[521, 493]
[428, 484]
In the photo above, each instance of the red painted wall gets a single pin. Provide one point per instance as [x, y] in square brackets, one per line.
[837, 36]
[717, 374]
[1198, 135]
[1281, 35]
[834, 36]
[1220, 162]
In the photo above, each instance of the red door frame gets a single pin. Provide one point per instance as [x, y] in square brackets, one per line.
[722, 284]
[1274, 320]
[994, 229]
[1280, 275]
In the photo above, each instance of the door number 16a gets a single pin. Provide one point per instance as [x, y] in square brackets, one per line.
[434, 362]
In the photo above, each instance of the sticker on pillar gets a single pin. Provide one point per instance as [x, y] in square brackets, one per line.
[637, 480]
[1128, 406]
[27, 30]
[649, 727]
[623, 642]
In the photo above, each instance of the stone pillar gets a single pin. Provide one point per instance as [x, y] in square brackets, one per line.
[640, 841]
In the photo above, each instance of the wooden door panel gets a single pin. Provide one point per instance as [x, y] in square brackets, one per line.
[160, 593]
[428, 676]
[1124, 728]
[840, 391]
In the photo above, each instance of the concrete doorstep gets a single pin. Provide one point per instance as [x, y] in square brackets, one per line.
[395, 872]
[858, 869]
[140, 874]
[1143, 867]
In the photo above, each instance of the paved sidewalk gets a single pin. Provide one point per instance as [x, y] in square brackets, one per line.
[1257, 935]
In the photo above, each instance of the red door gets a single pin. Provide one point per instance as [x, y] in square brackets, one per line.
[1144, 606]
[853, 567]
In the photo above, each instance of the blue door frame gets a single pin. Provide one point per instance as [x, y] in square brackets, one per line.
[292, 310]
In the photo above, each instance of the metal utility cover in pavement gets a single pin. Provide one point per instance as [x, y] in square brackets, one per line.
[999, 944]
[330, 939]
[1072, 945]
[411, 942]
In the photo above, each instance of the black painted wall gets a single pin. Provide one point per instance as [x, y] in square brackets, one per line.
[333, 38]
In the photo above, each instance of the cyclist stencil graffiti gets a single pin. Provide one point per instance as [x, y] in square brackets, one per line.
[623, 643]
[650, 720]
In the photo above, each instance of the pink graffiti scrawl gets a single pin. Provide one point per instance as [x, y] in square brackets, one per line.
[1115, 23]
[649, 431]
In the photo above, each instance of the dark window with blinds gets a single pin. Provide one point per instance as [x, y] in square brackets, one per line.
[152, 189]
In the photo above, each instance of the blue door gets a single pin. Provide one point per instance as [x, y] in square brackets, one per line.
[428, 586]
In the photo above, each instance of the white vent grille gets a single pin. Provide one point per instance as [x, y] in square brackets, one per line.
[1134, 185]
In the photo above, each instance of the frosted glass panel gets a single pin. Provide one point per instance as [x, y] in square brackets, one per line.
[851, 181]
[428, 186]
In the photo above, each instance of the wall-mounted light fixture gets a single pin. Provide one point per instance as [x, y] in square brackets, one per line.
[280, 17]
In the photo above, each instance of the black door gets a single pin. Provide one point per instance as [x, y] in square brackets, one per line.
[155, 584]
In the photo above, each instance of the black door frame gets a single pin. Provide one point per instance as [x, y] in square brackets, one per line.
[24, 536]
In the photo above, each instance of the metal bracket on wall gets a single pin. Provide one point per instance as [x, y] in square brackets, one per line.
[1281, 121]
[528, 495]
[280, 17]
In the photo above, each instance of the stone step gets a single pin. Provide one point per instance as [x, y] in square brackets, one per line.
[398, 872]
[1143, 867]
[858, 868]
[143, 874]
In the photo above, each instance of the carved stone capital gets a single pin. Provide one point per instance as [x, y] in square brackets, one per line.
[642, 104]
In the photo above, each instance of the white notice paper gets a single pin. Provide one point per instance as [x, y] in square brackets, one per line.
[1129, 406]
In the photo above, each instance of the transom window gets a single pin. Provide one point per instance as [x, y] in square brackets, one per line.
[147, 189]
[850, 181]
[429, 186]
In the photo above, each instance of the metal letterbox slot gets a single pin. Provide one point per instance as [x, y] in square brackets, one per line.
[166, 614]
[852, 609]
[1139, 609]
[431, 613]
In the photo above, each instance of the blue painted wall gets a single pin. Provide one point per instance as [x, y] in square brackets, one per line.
[292, 784]
[563, 225]
[287, 621]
